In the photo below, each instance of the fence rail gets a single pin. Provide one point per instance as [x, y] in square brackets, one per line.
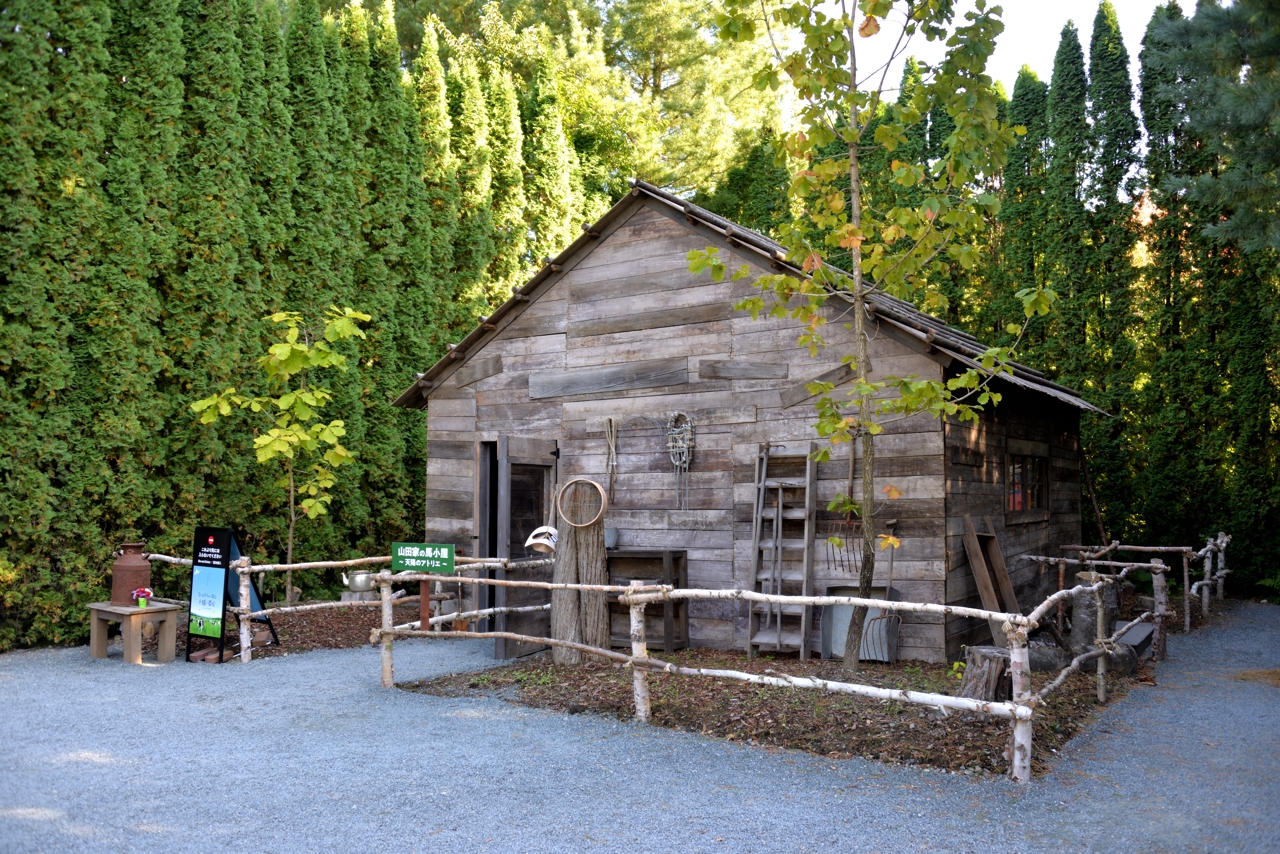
[1020, 711]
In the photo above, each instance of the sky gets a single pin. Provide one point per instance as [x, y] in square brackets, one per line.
[1030, 37]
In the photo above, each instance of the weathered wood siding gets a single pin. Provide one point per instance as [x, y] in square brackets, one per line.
[625, 331]
[976, 468]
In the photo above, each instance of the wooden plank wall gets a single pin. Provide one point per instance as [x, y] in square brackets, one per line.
[632, 299]
[975, 466]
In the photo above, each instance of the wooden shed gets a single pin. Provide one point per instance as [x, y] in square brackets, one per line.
[581, 372]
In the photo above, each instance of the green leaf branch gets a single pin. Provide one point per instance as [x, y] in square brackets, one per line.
[307, 448]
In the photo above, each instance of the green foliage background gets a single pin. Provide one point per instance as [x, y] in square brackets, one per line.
[173, 171]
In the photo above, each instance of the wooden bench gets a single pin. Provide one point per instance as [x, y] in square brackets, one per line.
[131, 620]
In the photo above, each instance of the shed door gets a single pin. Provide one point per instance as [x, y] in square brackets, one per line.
[518, 487]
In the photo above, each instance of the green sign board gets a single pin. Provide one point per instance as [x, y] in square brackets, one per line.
[422, 557]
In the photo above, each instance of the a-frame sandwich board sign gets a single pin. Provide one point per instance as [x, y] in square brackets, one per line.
[214, 585]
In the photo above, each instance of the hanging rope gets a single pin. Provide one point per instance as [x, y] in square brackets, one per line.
[680, 442]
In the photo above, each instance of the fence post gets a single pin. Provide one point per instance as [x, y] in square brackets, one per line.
[639, 649]
[1062, 606]
[1160, 593]
[246, 599]
[1186, 591]
[1208, 583]
[1102, 637]
[1222, 565]
[388, 665]
[1020, 671]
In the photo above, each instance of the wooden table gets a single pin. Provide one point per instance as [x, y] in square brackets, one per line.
[131, 620]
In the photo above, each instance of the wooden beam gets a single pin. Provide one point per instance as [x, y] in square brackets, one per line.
[651, 373]
[801, 393]
[714, 369]
[978, 564]
[995, 559]
[651, 320]
[478, 369]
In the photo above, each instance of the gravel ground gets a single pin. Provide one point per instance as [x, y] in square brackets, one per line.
[307, 753]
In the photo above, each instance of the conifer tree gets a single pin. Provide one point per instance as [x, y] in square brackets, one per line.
[313, 240]
[1020, 223]
[549, 161]
[116, 341]
[274, 167]
[473, 248]
[1108, 289]
[506, 141]
[210, 301]
[1066, 222]
[754, 192]
[348, 97]
[439, 171]
[54, 217]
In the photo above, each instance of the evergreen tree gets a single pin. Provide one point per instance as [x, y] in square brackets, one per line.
[1066, 221]
[274, 163]
[550, 161]
[506, 140]
[54, 90]
[439, 172]
[1108, 289]
[1228, 62]
[1204, 393]
[473, 248]
[754, 192]
[1020, 231]
[209, 303]
[313, 240]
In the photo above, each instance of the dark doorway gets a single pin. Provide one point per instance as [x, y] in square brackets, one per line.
[517, 487]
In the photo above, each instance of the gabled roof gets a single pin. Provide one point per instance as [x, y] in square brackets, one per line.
[909, 322]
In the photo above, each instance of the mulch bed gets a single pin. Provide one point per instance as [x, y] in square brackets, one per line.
[338, 628]
[834, 725]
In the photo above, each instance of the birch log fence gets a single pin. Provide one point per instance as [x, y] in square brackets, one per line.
[1020, 711]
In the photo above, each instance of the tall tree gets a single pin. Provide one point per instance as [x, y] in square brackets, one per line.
[313, 239]
[1066, 220]
[54, 89]
[273, 162]
[836, 227]
[439, 170]
[473, 248]
[506, 141]
[1108, 288]
[550, 163]
[210, 301]
[1230, 61]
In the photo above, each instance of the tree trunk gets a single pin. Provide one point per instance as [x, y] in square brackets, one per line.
[293, 518]
[862, 365]
[566, 616]
[594, 609]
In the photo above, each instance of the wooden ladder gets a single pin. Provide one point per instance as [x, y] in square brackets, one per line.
[785, 522]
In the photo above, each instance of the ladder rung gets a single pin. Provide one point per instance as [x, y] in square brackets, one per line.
[769, 638]
[788, 610]
[785, 482]
[767, 574]
[787, 513]
[796, 545]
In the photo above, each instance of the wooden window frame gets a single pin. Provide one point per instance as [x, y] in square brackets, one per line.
[1032, 514]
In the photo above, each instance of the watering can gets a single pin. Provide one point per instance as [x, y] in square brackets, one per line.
[359, 581]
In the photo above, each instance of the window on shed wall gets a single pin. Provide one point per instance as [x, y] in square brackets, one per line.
[1026, 485]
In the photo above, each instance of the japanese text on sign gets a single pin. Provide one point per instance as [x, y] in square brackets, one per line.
[422, 557]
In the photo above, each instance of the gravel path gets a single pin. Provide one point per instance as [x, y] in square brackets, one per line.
[97, 756]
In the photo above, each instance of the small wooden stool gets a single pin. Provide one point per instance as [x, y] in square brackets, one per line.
[131, 620]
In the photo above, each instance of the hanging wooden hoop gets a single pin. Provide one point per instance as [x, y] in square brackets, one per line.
[604, 502]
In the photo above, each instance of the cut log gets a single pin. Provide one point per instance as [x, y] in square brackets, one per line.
[986, 674]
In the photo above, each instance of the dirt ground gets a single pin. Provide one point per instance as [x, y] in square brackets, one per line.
[826, 724]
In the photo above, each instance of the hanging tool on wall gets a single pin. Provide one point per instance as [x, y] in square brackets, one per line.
[680, 442]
